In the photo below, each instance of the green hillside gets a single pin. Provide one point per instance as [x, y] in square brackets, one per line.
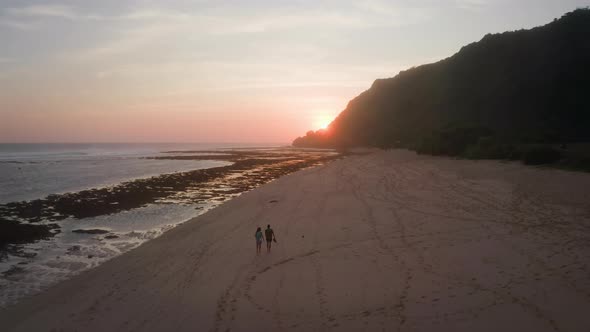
[507, 90]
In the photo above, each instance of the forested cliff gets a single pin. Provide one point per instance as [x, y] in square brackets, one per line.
[529, 86]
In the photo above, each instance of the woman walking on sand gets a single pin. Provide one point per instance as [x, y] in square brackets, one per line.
[259, 237]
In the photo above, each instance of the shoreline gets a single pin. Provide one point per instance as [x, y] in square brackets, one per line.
[200, 189]
[388, 240]
[41, 216]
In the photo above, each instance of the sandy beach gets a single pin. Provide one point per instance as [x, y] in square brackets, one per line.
[388, 241]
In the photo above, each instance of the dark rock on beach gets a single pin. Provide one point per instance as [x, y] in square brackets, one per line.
[90, 231]
[20, 222]
[14, 270]
[15, 232]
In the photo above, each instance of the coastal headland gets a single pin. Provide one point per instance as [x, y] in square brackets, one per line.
[385, 241]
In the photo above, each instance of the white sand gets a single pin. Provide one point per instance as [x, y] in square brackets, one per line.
[388, 241]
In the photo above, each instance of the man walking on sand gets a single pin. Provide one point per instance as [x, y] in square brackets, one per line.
[269, 234]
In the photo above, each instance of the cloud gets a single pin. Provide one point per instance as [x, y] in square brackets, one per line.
[231, 21]
[124, 40]
[136, 45]
[371, 14]
[32, 17]
[394, 14]
[18, 25]
[153, 14]
[55, 11]
[474, 5]
[136, 30]
[69, 13]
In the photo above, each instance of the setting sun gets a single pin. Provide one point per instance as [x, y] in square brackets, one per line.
[321, 121]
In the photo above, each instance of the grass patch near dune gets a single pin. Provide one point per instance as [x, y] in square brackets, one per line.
[541, 156]
[476, 142]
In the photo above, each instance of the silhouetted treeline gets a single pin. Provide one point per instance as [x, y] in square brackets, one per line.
[508, 89]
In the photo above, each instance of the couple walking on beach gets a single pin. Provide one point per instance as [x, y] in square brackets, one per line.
[269, 235]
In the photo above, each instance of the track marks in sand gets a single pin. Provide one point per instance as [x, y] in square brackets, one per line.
[326, 317]
[456, 193]
[514, 218]
[366, 198]
[287, 260]
[414, 214]
[532, 219]
[227, 307]
[389, 199]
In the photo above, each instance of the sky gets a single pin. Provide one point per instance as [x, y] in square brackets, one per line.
[220, 71]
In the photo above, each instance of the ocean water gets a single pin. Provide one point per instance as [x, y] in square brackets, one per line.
[32, 171]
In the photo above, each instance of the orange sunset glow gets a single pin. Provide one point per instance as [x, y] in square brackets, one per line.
[218, 71]
[321, 121]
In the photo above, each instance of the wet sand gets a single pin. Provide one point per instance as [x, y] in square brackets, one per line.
[388, 241]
